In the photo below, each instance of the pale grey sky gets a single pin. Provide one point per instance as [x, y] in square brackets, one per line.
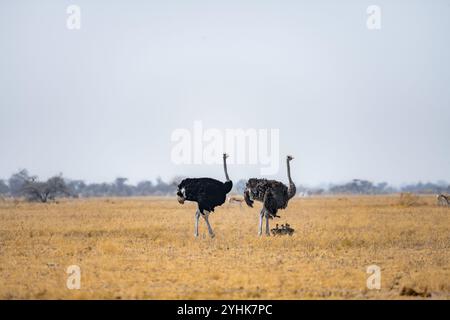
[102, 101]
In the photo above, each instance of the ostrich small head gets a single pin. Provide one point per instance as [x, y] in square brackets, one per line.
[181, 195]
[225, 156]
[251, 188]
[289, 158]
[251, 191]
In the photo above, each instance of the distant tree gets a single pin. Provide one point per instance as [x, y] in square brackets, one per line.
[17, 181]
[98, 190]
[76, 187]
[381, 187]
[4, 188]
[427, 188]
[34, 190]
[356, 186]
[121, 189]
[145, 188]
[163, 188]
[317, 191]
[56, 186]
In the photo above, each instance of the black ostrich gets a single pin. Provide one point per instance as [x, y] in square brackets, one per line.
[273, 194]
[208, 193]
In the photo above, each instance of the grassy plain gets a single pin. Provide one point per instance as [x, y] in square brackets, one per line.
[144, 248]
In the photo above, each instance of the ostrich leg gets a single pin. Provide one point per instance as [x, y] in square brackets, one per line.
[197, 216]
[205, 216]
[261, 217]
[267, 225]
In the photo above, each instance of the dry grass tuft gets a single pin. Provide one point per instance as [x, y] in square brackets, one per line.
[408, 199]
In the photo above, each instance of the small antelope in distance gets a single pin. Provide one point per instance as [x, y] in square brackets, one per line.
[235, 200]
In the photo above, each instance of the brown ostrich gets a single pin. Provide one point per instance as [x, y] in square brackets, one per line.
[273, 194]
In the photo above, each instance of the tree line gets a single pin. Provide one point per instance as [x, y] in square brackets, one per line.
[24, 185]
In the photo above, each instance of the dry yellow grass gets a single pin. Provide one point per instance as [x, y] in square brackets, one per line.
[145, 249]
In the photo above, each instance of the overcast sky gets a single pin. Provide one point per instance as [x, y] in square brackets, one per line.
[103, 101]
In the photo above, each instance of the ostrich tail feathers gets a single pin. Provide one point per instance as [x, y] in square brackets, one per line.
[228, 185]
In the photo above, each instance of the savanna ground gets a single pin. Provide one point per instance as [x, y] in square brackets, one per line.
[144, 248]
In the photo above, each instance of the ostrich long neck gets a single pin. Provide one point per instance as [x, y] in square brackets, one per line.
[292, 189]
[225, 168]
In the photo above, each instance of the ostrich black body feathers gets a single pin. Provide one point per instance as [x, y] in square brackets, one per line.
[207, 192]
